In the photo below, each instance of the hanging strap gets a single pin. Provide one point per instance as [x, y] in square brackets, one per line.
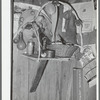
[54, 19]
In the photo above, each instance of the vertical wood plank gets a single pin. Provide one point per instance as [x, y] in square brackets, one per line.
[32, 68]
[16, 75]
[56, 83]
[20, 76]
[66, 80]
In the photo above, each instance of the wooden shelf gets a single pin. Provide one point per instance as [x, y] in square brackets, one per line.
[35, 57]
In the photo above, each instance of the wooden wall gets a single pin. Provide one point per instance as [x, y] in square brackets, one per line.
[56, 83]
[20, 76]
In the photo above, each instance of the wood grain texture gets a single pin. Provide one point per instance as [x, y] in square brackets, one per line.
[56, 83]
[20, 76]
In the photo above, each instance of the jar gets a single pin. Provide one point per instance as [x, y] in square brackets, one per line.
[30, 47]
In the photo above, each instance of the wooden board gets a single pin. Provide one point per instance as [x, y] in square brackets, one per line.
[56, 83]
[20, 76]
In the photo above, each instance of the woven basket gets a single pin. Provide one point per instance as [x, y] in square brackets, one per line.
[63, 50]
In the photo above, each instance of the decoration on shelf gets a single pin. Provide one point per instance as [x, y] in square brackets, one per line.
[21, 45]
[30, 47]
[48, 53]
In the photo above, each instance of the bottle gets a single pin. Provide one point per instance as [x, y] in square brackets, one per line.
[30, 47]
[21, 44]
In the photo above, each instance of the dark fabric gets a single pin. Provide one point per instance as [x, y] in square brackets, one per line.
[70, 27]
